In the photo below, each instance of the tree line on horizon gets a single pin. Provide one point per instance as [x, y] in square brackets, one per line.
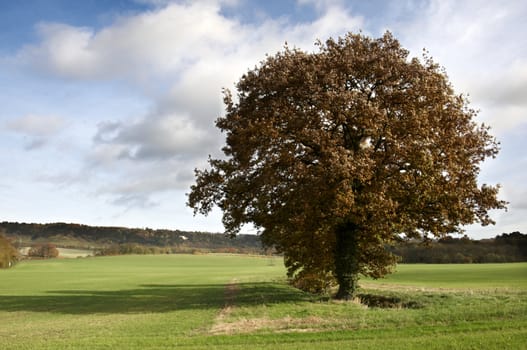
[507, 247]
[120, 240]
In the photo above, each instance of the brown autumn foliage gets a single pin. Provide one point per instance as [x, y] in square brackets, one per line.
[46, 250]
[334, 154]
[8, 253]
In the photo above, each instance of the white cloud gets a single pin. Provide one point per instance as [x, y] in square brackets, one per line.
[508, 88]
[155, 138]
[151, 44]
[64, 50]
[169, 40]
[36, 129]
[36, 125]
[134, 201]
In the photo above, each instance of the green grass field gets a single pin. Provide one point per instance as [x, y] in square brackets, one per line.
[240, 302]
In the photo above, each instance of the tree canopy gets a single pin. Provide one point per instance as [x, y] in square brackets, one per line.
[336, 153]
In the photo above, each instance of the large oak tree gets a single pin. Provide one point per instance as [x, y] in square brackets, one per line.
[334, 154]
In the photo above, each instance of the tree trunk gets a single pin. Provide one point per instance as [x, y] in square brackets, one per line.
[346, 261]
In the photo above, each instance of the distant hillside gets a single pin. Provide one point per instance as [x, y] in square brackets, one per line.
[97, 237]
[507, 247]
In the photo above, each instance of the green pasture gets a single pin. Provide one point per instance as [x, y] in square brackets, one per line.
[242, 302]
[464, 276]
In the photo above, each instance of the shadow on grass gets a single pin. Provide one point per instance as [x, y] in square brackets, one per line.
[155, 298]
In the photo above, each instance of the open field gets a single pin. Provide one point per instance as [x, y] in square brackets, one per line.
[239, 302]
[74, 253]
[65, 252]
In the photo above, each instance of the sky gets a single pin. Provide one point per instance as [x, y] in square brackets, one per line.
[108, 106]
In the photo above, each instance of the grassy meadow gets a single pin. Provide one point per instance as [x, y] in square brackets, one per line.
[243, 302]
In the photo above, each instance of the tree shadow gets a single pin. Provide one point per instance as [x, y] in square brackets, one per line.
[151, 298]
